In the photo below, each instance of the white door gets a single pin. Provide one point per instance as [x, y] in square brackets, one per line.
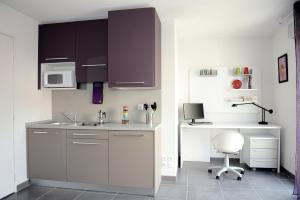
[7, 184]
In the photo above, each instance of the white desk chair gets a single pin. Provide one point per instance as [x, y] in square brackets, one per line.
[228, 142]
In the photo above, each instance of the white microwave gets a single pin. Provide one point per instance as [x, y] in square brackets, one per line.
[59, 79]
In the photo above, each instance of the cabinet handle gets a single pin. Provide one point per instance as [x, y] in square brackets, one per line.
[63, 58]
[130, 135]
[86, 143]
[40, 132]
[95, 65]
[44, 132]
[119, 83]
[83, 134]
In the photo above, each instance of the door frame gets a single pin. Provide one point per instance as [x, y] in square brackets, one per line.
[13, 40]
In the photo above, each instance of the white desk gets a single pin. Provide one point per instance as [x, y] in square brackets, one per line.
[195, 141]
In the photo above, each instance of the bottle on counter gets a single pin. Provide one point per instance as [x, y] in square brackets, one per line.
[125, 118]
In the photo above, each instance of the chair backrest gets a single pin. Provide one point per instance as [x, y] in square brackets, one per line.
[228, 141]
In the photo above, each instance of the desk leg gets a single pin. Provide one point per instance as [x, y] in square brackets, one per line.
[180, 149]
[278, 156]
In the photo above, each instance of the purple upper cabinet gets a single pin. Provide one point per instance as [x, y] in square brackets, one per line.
[57, 43]
[91, 51]
[134, 48]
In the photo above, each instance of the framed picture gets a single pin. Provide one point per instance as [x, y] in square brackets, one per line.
[283, 73]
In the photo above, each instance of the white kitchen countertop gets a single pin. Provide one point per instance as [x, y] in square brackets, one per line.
[105, 126]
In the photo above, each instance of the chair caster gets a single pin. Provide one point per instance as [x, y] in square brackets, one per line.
[209, 171]
[242, 172]
[239, 178]
[217, 177]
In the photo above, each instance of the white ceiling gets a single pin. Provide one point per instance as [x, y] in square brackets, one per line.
[193, 17]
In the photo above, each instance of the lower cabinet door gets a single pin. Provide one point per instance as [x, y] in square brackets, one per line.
[87, 161]
[47, 154]
[131, 159]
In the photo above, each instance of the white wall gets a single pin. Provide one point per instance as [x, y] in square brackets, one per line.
[79, 102]
[218, 52]
[29, 103]
[169, 99]
[284, 95]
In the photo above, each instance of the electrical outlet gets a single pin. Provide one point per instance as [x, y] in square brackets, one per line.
[170, 159]
[140, 107]
[164, 161]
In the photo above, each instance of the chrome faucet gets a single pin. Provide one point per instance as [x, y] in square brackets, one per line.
[74, 119]
[101, 117]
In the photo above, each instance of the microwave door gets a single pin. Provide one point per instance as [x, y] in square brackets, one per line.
[54, 80]
[59, 79]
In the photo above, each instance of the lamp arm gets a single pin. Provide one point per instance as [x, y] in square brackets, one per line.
[261, 107]
[269, 110]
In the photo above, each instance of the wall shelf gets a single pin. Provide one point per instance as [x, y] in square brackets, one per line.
[208, 75]
[244, 89]
[242, 75]
[238, 102]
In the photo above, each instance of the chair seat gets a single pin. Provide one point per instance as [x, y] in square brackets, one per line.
[228, 142]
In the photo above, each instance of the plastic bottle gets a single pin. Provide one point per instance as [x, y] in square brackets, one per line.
[125, 118]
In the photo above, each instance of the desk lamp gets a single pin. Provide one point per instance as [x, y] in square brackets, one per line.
[263, 111]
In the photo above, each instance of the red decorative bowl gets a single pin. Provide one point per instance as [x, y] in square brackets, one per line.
[237, 84]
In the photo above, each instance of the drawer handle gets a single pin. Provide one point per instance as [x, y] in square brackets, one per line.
[129, 135]
[63, 58]
[84, 134]
[44, 132]
[86, 143]
[95, 65]
[40, 132]
[120, 83]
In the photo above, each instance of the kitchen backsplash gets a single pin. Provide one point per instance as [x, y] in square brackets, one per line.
[79, 102]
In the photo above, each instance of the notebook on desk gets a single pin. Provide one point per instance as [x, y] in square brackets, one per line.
[200, 123]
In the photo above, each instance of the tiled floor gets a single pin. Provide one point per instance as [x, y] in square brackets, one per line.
[194, 183]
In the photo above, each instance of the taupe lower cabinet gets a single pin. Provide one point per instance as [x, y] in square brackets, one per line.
[116, 161]
[131, 159]
[87, 157]
[47, 154]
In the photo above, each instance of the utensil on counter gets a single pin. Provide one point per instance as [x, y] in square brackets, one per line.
[101, 117]
[149, 114]
[146, 106]
[154, 106]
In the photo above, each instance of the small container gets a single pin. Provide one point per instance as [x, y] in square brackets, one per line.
[149, 118]
[246, 70]
[238, 71]
[125, 118]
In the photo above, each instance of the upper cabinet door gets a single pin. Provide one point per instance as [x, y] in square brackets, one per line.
[57, 43]
[134, 48]
[91, 51]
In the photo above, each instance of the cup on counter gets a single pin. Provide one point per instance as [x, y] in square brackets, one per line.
[238, 71]
[246, 70]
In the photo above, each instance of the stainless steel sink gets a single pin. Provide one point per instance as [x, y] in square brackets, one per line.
[91, 124]
[60, 123]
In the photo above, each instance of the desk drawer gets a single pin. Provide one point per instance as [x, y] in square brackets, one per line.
[263, 163]
[263, 143]
[263, 153]
[88, 134]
